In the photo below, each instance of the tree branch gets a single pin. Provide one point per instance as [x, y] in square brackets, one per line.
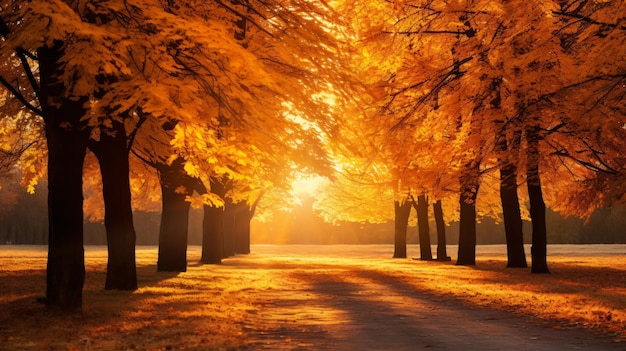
[454, 73]
[23, 54]
[143, 159]
[562, 153]
[242, 15]
[588, 19]
[20, 97]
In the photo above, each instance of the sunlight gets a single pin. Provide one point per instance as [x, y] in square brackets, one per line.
[283, 296]
[307, 184]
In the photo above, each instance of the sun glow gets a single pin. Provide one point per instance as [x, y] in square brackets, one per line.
[307, 184]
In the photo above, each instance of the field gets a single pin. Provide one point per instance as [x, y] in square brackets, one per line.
[312, 298]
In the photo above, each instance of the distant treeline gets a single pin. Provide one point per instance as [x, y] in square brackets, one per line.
[26, 222]
[303, 226]
[606, 226]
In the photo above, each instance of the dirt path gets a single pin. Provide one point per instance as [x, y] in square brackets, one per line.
[355, 308]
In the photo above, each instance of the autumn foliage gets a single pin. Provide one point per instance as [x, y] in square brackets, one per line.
[487, 108]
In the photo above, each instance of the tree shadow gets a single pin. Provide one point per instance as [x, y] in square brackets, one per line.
[606, 285]
[386, 308]
[383, 312]
[26, 323]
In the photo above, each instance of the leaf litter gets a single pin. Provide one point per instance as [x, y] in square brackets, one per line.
[302, 298]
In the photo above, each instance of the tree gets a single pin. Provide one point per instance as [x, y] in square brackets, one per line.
[112, 150]
[442, 254]
[421, 206]
[469, 53]
[67, 137]
[176, 186]
[537, 205]
[588, 138]
[286, 98]
[213, 227]
[416, 86]
[402, 211]
[62, 107]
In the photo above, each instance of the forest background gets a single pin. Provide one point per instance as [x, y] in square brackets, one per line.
[26, 223]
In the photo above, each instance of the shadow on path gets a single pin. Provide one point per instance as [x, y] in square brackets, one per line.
[362, 309]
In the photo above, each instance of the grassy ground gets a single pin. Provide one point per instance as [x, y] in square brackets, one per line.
[217, 307]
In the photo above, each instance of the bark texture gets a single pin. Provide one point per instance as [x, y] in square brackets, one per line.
[508, 157]
[212, 235]
[508, 145]
[423, 228]
[402, 212]
[229, 232]
[516, 257]
[213, 228]
[112, 153]
[176, 185]
[67, 140]
[539, 249]
[442, 251]
[467, 225]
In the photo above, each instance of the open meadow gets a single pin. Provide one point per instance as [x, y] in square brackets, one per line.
[299, 297]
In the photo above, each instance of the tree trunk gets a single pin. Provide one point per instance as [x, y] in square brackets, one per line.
[66, 139]
[243, 221]
[467, 225]
[112, 154]
[402, 212]
[212, 235]
[509, 154]
[442, 253]
[423, 228]
[242, 227]
[213, 228]
[229, 218]
[516, 257]
[66, 263]
[176, 185]
[539, 247]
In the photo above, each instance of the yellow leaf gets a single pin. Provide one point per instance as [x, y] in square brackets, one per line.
[171, 159]
[191, 169]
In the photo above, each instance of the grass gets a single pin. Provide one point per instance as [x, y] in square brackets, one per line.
[585, 292]
[217, 307]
